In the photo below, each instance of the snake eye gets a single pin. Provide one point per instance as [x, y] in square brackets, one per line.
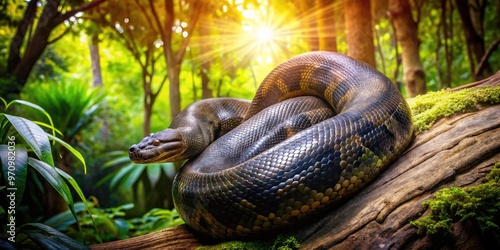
[156, 142]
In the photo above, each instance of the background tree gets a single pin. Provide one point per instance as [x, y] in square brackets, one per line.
[34, 33]
[326, 25]
[472, 15]
[358, 25]
[157, 34]
[205, 53]
[407, 34]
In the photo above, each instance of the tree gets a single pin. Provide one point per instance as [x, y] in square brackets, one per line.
[326, 25]
[205, 51]
[32, 37]
[472, 15]
[308, 17]
[173, 56]
[95, 60]
[406, 32]
[358, 25]
[155, 39]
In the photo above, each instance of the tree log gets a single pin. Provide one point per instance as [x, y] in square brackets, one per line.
[456, 151]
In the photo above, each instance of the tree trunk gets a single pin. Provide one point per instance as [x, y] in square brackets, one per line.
[175, 93]
[148, 111]
[472, 15]
[308, 19]
[359, 34]
[326, 25]
[457, 151]
[18, 39]
[95, 60]
[406, 32]
[206, 58]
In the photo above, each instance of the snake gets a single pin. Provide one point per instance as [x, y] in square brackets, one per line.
[320, 127]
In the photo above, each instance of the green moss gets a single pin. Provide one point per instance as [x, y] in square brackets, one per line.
[280, 243]
[427, 109]
[479, 204]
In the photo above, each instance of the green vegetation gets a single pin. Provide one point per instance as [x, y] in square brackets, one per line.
[32, 149]
[427, 109]
[112, 223]
[479, 204]
[281, 242]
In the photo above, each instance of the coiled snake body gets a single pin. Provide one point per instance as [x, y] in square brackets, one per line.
[320, 127]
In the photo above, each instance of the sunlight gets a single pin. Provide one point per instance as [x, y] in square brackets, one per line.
[264, 34]
[261, 39]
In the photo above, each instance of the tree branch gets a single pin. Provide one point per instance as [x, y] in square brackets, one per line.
[195, 16]
[17, 41]
[59, 19]
[480, 67]
[157, 20]
[60, 36]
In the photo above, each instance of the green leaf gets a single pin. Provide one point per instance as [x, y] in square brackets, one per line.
[154, 172]
[75, 186]
[49, 238]
[168, 169]
[120, 174]
[117, 161]
[126, 206]
[4, 102]
[81, 122]
[122, 226]
[65, 219]
[132, 177]
[55, 130]
[30, 104]
[34, 136]
[15, 169]
[71, 149]
[4, 128]
[51, 176]
[127, 175]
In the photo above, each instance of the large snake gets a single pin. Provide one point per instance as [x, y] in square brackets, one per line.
[320, 127]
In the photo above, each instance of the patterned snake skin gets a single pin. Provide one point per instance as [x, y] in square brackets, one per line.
[320, 127]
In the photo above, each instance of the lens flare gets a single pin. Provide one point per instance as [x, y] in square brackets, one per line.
[264, 34]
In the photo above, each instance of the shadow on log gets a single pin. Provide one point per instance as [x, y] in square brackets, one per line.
[456, 151]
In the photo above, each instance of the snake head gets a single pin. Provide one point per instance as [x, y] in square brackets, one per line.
[164, 146]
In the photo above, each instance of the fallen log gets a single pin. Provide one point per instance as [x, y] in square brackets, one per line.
[457, 151]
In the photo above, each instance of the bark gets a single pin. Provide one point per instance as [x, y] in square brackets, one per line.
[326, 25]
[456, 151]
[406, 32]
[359, 34]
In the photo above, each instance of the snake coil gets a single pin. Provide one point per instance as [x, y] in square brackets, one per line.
[320, 127]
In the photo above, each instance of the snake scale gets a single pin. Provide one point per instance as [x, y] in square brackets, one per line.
[321, 126]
